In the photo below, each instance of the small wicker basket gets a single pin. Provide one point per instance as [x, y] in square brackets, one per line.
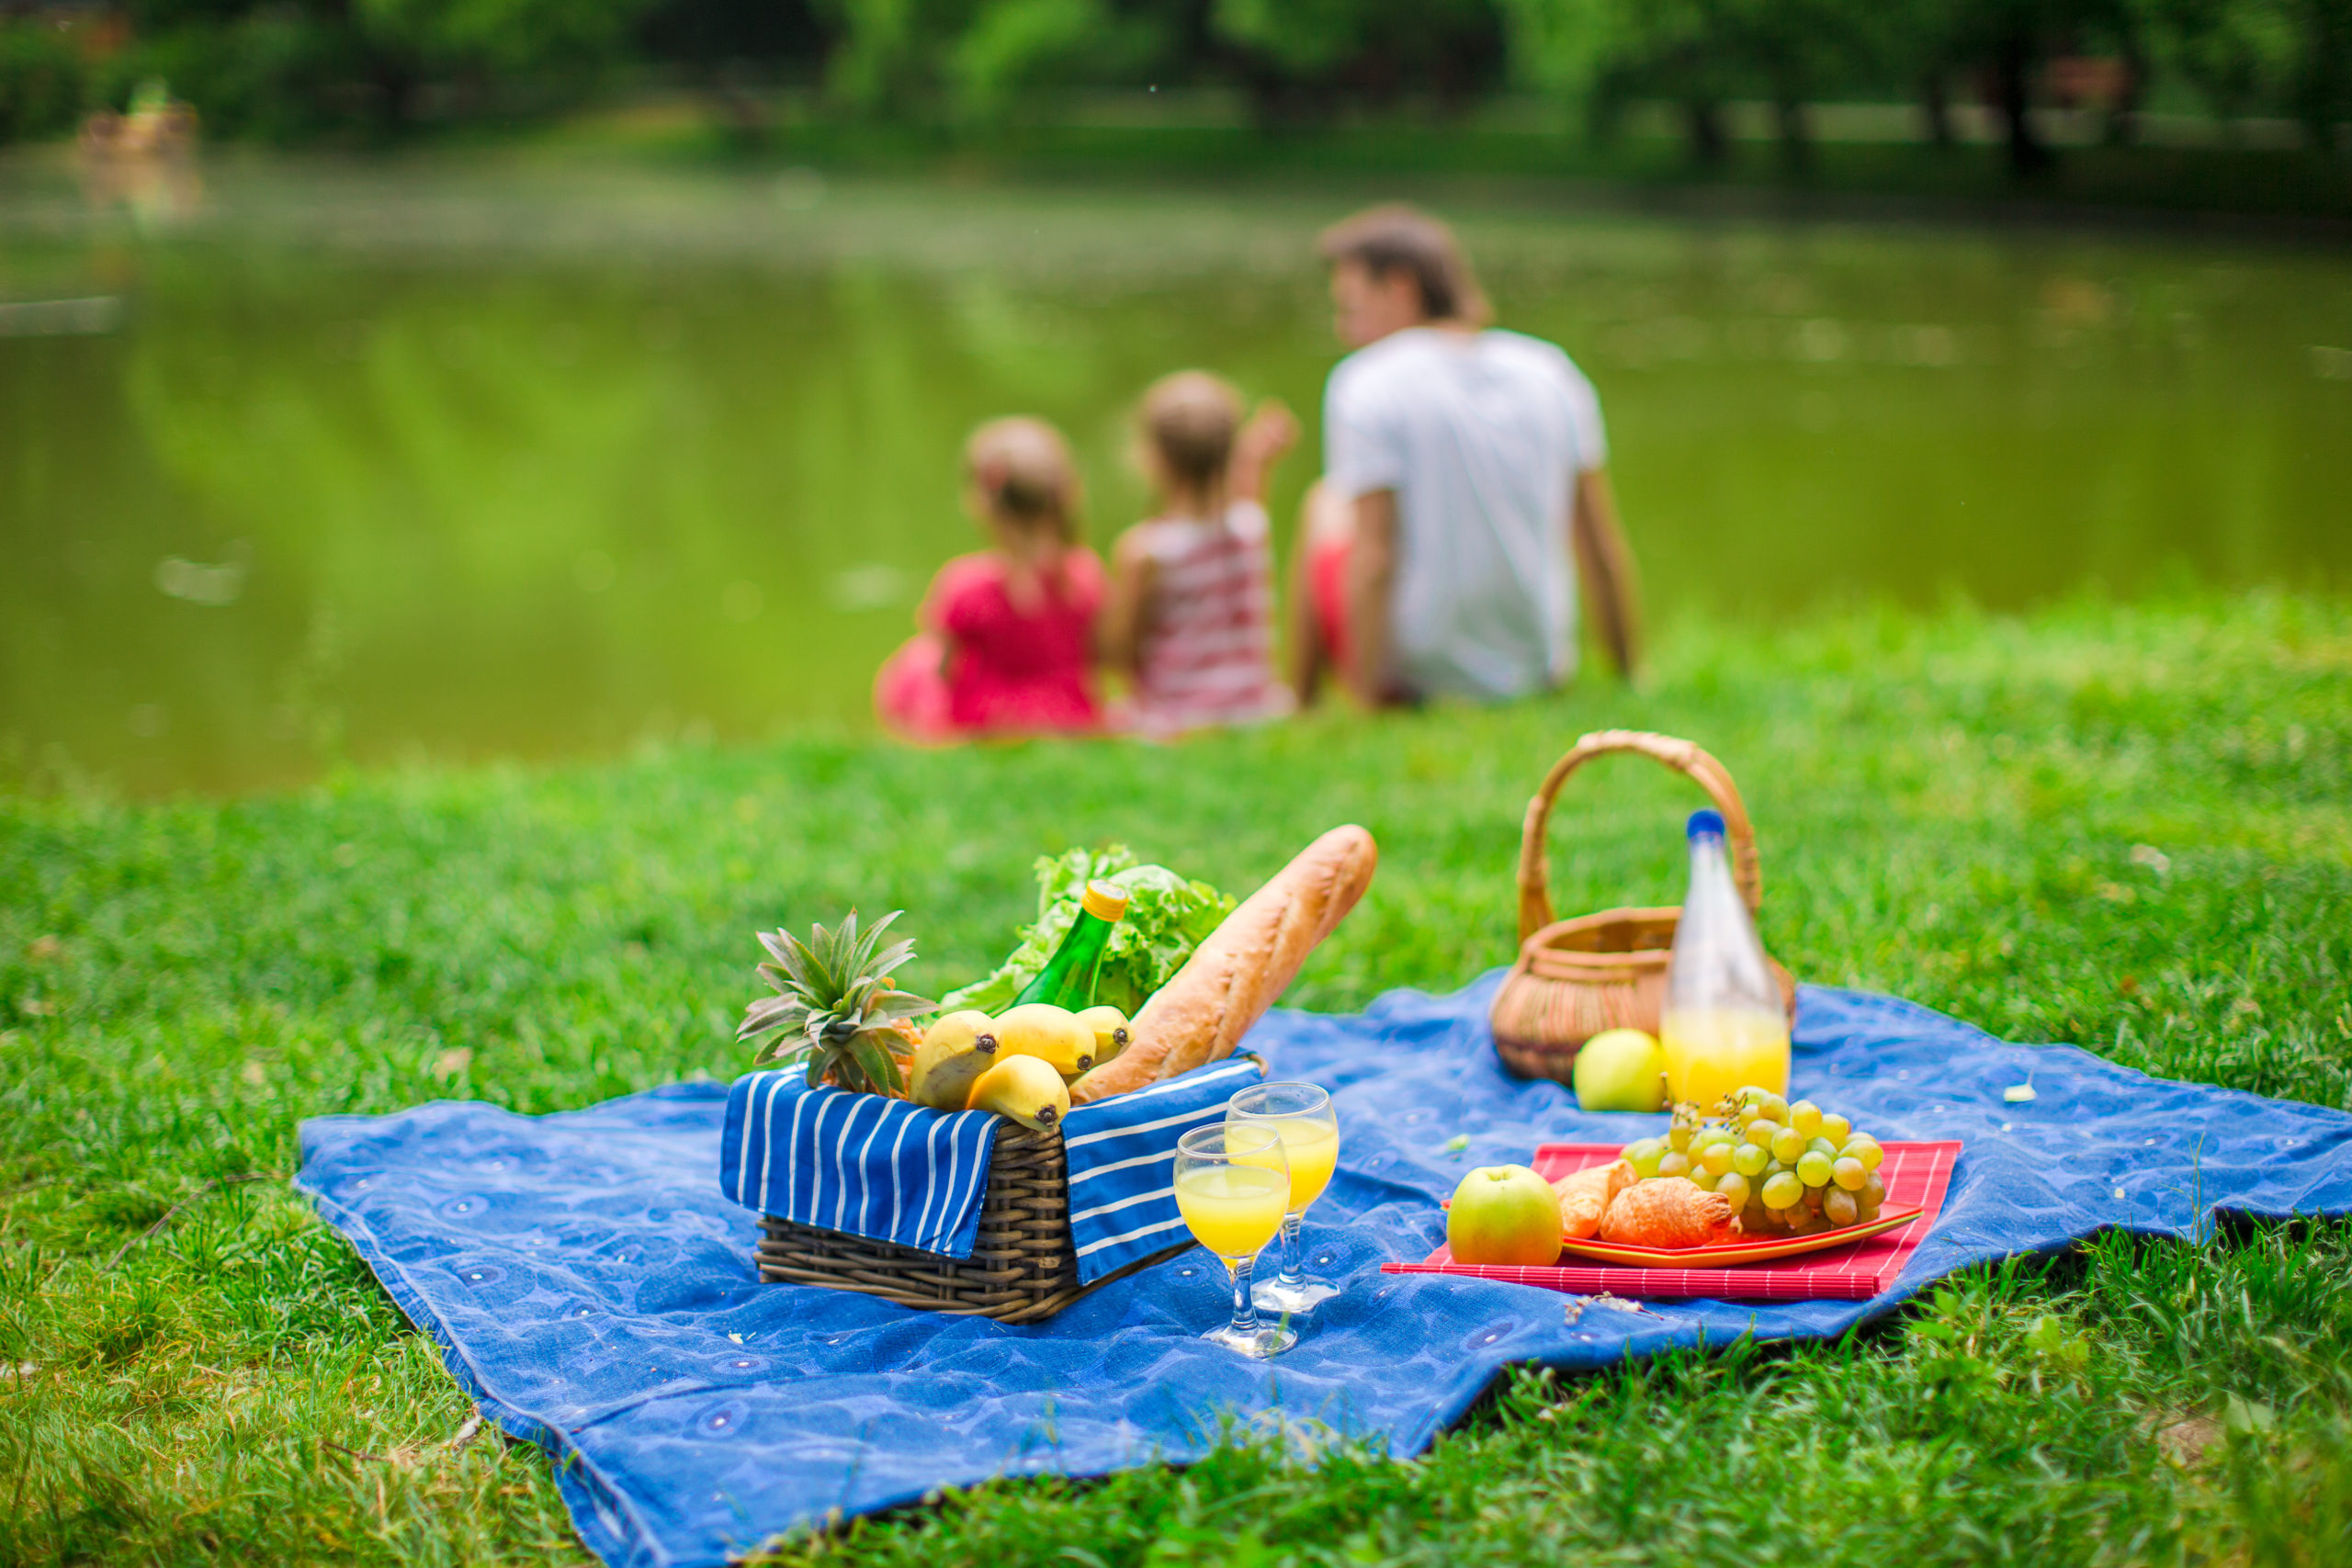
[1023, 1267]
[1575, 978]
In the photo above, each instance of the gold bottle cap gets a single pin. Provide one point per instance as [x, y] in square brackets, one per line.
[1104, 900]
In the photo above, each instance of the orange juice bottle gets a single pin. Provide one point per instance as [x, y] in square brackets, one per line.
[1723, 1026]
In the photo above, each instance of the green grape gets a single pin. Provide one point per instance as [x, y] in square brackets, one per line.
[1748, 1113]
[1848, 1173]
[1839, 1209]
[1782, 1191]
[1866, 1205]
[1677, 1137]
[1787, 1144]
[1760, 1132]
[1733, 1186]
[1674, 1164]
[1874, 1190]
[1865, 1149]
[1751, 1094]
[1836, 1128]
[1717, 1158]
[1814, 1168]
[1824, 1144]
[1776, 1108]
[1749, 1160]
[1813, 1197]
[1805, 1117]
[1645, 1161]
[1755, 1217]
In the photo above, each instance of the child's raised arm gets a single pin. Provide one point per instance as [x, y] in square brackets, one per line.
[1271, 432]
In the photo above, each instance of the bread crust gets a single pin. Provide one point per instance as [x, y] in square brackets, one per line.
[1667, 1211]
[1586, 1195]
[1249, 961]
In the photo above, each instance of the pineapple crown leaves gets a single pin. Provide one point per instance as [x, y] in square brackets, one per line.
[833, 1000]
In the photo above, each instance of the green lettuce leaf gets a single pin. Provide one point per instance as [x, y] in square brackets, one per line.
[1167, 917]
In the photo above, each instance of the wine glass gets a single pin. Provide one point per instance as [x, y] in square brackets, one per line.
[1302, 1114]
[1232, 1183]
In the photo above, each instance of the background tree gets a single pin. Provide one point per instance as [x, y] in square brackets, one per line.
[1303, 59]
[41, 80]
[2320, 89]
[2237, 54]
[1602, 53]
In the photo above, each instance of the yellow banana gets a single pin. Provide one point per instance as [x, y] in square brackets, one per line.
[1051, 1035]
[1109, 1027]
[1025, 1088]
[955, 1053]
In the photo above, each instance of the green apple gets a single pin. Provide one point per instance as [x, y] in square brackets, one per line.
[1622, 1069]
[1504, 1214]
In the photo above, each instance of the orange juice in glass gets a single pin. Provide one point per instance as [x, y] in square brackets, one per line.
[1232, 1187]
[1301, 1115]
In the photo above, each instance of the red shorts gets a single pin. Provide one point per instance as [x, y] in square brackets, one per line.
[1327, 591]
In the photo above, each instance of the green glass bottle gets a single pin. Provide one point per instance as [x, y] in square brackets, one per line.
[1068, 979]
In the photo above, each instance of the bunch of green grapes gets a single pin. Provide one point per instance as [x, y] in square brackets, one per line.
[1788, 1169]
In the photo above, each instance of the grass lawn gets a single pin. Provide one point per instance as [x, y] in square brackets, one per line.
[2127, 828]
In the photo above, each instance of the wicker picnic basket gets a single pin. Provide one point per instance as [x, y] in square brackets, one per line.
[1023, 1267]
[1575, 978]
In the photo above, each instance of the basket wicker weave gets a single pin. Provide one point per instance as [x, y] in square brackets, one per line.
[1575, 978]
[1023, 1267]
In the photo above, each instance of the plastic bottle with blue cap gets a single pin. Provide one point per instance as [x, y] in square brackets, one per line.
[1723, 1025]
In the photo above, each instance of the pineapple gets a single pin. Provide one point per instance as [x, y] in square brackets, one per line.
[835, 1007]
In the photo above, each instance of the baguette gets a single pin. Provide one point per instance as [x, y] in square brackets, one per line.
[1234, 976]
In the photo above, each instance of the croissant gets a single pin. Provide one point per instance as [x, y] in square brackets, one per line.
[1667, 1211]
[1584, 1196]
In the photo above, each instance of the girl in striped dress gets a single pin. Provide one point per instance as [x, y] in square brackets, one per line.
[1190, 614]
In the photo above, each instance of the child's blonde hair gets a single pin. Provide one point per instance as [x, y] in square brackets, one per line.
[1190, 418]
[1022, 470]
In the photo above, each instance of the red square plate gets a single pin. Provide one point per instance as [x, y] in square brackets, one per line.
[1917, 1175]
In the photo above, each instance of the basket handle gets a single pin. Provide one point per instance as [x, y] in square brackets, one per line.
[1534, 868]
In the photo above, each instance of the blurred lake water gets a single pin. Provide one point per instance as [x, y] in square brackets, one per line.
[419, 458]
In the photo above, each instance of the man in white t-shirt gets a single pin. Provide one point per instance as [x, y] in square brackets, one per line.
[1464, 495]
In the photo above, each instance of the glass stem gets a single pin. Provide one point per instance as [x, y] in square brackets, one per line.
[1245, 1311]
[1293, 1272]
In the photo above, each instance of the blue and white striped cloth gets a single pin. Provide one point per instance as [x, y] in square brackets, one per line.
[884, 1169]
[1122, 1156]
[889, 1171]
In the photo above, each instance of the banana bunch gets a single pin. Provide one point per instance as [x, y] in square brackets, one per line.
[1019, 1064]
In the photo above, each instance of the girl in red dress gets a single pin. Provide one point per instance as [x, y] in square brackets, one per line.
[1007, 645]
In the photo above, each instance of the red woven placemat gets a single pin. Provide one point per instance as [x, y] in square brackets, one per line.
[1914, 1173]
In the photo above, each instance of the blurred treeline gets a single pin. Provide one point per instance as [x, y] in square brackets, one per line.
[294, 69]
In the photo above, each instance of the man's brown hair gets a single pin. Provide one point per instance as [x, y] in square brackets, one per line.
[1396, 238]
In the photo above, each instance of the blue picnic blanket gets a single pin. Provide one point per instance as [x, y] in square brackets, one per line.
[589, 1284]
[894, 1171]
